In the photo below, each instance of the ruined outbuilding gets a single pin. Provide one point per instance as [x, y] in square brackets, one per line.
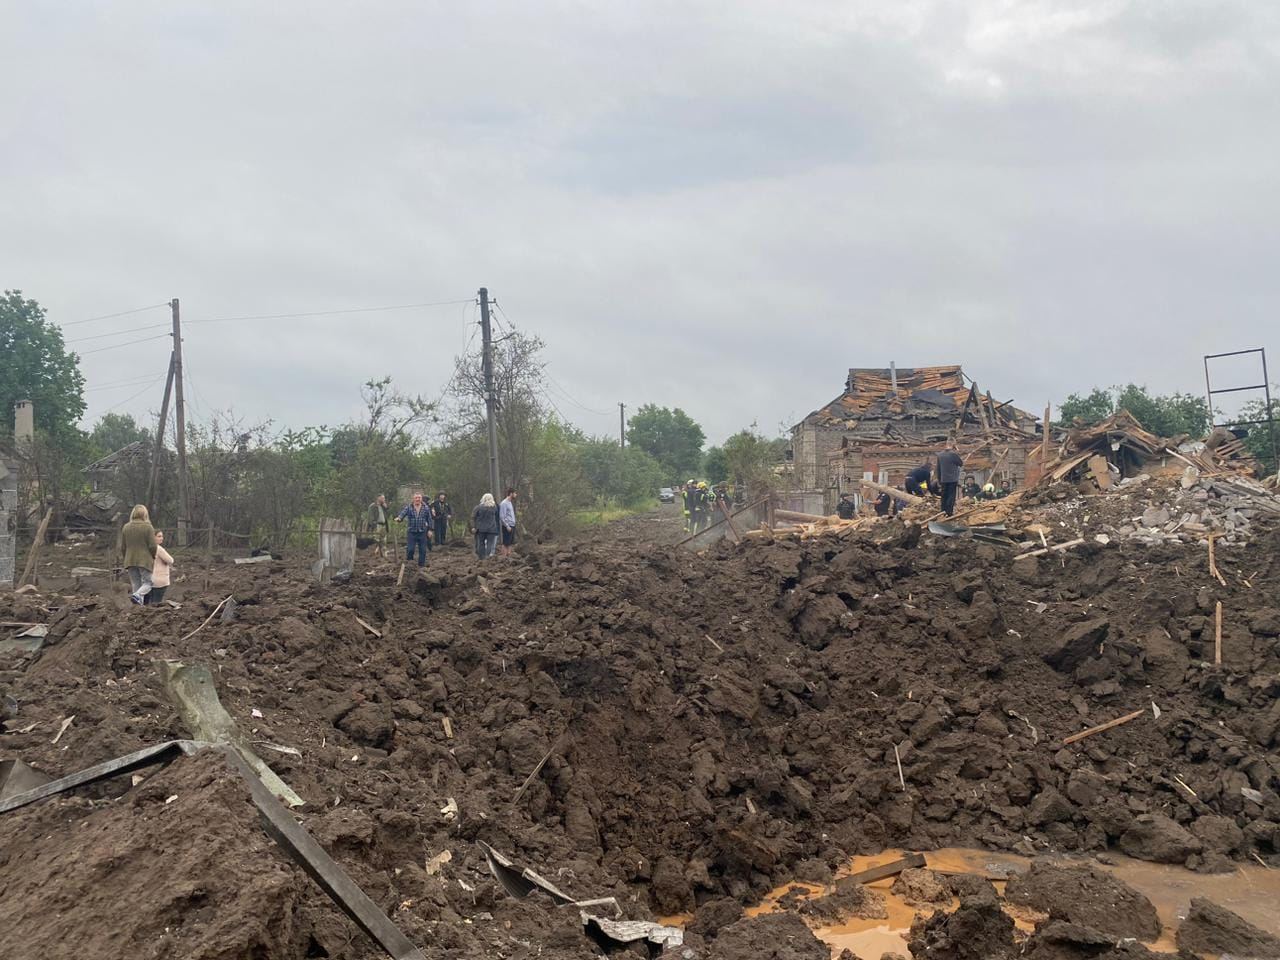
[889, 420]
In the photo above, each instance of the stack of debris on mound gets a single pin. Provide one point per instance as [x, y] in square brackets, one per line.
[670, 729]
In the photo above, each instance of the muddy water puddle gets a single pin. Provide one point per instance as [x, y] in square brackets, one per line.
[1251, 891]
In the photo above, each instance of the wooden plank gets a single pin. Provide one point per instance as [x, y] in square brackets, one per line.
[1217, 635]
[892, 491]
[1056, 546]
[890, 869]
[376, 633]
[1101, 475]
[729, 520]
[796, 515]
[1213, 565]
[1103, 727]
[29, 571]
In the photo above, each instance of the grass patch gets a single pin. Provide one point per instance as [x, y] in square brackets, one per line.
[598, 516]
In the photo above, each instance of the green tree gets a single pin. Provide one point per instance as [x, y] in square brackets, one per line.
[1167, 415]
[1088, 409]
[751, 459]
[1258, 440]
[37, 367]
[116, 430]
[626, 476]
[670, 436]
[715, 466]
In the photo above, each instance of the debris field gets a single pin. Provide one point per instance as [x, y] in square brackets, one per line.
[681, 732]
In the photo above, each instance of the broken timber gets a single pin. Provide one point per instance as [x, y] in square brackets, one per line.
[892, 491]
[191, 690]
[277, 822]
[1102, 727]
[890, 869]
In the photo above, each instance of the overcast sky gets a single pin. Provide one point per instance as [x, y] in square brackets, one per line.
[719, 206]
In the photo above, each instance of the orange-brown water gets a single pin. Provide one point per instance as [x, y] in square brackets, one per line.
[1251, 891]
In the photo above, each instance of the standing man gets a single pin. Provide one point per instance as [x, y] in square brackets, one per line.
[419, 516]
[507, 521]
[950, 465]
[378, 523]
[442, 512]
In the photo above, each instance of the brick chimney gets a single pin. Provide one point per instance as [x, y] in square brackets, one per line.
[24, 422]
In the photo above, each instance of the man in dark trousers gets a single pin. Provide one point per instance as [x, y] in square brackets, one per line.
[420, 528]
[918, 480]
[950, 466]
[846, 508]
[441, 514]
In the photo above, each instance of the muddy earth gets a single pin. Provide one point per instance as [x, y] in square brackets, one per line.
[702, 728]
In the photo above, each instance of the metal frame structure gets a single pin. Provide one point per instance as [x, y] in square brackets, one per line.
[1264, 386]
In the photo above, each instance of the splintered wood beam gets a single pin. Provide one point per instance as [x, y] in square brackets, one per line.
[1103, 727]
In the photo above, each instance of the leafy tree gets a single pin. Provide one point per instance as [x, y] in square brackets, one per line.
[627, 476]
[752, 458]
[37, 367]
[670, 436]
[1164, 415]
[1089, 409]
[116, 430]
[1258, 440]
[715, 466]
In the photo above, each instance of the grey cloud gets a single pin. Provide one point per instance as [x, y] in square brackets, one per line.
[719, 205]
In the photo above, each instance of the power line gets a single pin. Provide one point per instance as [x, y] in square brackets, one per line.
[117, 384]
[331, 313]
[115, 406]
[118, 333]
[110, 316]
[127, 343]
[568, 396]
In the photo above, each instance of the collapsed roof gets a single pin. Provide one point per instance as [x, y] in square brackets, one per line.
[942, 396]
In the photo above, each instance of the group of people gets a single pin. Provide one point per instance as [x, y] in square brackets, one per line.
[494, 524]
[923, 481]
[141, 549]
[701, 504]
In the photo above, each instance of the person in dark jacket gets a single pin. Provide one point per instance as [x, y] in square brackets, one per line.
[846, 508]
[484, 520]
[442, 512]
[137, 548]
[883, 504]
[918, 480]
[950, 465]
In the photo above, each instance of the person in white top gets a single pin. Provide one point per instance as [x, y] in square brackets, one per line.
[159, 572]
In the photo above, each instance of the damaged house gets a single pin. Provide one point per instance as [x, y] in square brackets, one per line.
[889, 420]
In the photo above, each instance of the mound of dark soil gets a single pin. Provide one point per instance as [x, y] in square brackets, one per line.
[1210, 928]
[1086, 896]
[699, 725]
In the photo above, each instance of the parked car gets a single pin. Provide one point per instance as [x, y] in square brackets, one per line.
[666, 495]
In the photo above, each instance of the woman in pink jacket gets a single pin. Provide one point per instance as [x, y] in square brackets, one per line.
[159, 572]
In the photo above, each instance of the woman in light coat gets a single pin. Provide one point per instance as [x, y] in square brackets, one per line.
[159, 572]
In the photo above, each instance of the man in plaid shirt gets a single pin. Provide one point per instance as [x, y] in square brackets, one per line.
[420, 522]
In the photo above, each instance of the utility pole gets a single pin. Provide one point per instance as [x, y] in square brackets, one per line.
[622, 425]
[180, 410]
[490, 399]
[154, 483]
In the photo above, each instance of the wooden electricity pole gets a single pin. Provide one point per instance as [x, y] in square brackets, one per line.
[490, 398]
[154, 484]
[622, 425]
[180, 413]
